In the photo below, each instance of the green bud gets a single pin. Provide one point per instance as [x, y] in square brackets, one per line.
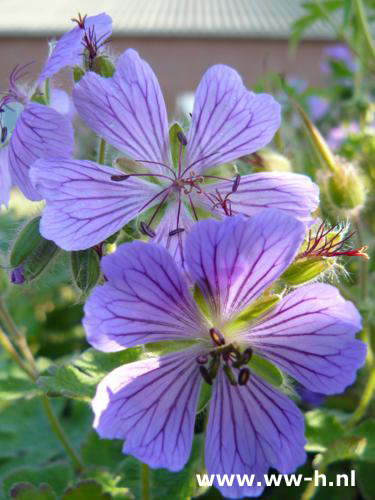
[104, 66]
[345, 189]
[78, 73]
[304, 270]
[271, 161]
[85, 269]
[266, 370]
[28, 240]
[37, 261]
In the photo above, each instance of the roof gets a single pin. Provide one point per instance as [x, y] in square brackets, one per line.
[187, 18]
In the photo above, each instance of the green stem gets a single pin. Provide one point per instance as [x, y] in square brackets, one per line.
[18, 337]
[8, 346]
[59, 432]
[101, 153]
[31, 370]
[312, 488]
[47, 91]
[363, 24]
[365, 399]
[145, 482]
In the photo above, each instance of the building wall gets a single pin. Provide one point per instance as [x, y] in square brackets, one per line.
[180, 62]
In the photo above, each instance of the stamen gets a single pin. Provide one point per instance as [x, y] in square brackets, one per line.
[236, 183]
[217, 337]
[182, 138]
[178, 230]
[202, 359]
[158, 163]
[214, 367]
[147, 230]
[246, 356]
[228, 372]
[206, 377]
[80, 20]
[243, 376]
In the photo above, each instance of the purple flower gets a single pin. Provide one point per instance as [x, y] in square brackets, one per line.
[40, 132]
[318, 106]
[88, 202]
[252, 426]
[340, 53]
[90, 33]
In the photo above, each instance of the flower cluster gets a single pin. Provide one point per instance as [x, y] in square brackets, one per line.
[209, 281]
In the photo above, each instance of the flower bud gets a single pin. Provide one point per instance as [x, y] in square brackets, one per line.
[269, 161]
[38, 260]
[28, 239]
[345, 189]
[17, 276]
[85, 269]
[104, 66]
[304, 270]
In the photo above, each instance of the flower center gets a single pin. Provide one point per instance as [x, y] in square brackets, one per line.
[229, 355]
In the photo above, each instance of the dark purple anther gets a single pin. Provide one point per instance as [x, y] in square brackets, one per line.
[147, 230]
[217, 337]
[176, 231]
[16, 276]
[246, 356]
[202, 359]
[243, 376]
[204, 372]
[182, 138]
[119, 178]
[4, 133]
[236, 183]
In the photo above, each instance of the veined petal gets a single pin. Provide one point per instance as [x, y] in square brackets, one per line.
[250, 429]
[175, 242]
[145, 299]
[69, 49]
[293, 193]
[84, 206]
[311, 336]
[5, 181]
[127, 110]
[233, 261]
[40, 132]
[151, 404]
[228, 121]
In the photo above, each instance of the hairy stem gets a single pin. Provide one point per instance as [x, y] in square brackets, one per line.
[365, 399]
[9, 348]
[312, 488]
[364, 27]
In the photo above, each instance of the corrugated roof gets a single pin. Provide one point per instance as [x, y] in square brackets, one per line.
[216, 18]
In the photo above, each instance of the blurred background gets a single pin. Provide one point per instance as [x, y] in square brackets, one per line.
[179, 38]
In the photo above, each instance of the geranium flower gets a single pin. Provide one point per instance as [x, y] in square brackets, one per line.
[252, 426]
[88, 202]
[90, 33]
[40, 132]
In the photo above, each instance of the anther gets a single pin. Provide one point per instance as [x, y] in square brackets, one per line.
[228, 372]
[147, 230]
[119, 178]
[206, 377]
[217, 337]
[243, 376]
[236, 183]
[178, 230]
[4, 134]
[246, 356]
[182, 138]
[202, 359]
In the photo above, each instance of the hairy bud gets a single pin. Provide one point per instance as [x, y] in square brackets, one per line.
[85, 265]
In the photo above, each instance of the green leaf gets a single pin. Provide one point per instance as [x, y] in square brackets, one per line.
[56, 476]
[79, 377]
[365, 477]
[366, 433]
[345, 448]
[323, 427]
[27, 491]
[102, 452]
[86, 490]
[266, 370]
